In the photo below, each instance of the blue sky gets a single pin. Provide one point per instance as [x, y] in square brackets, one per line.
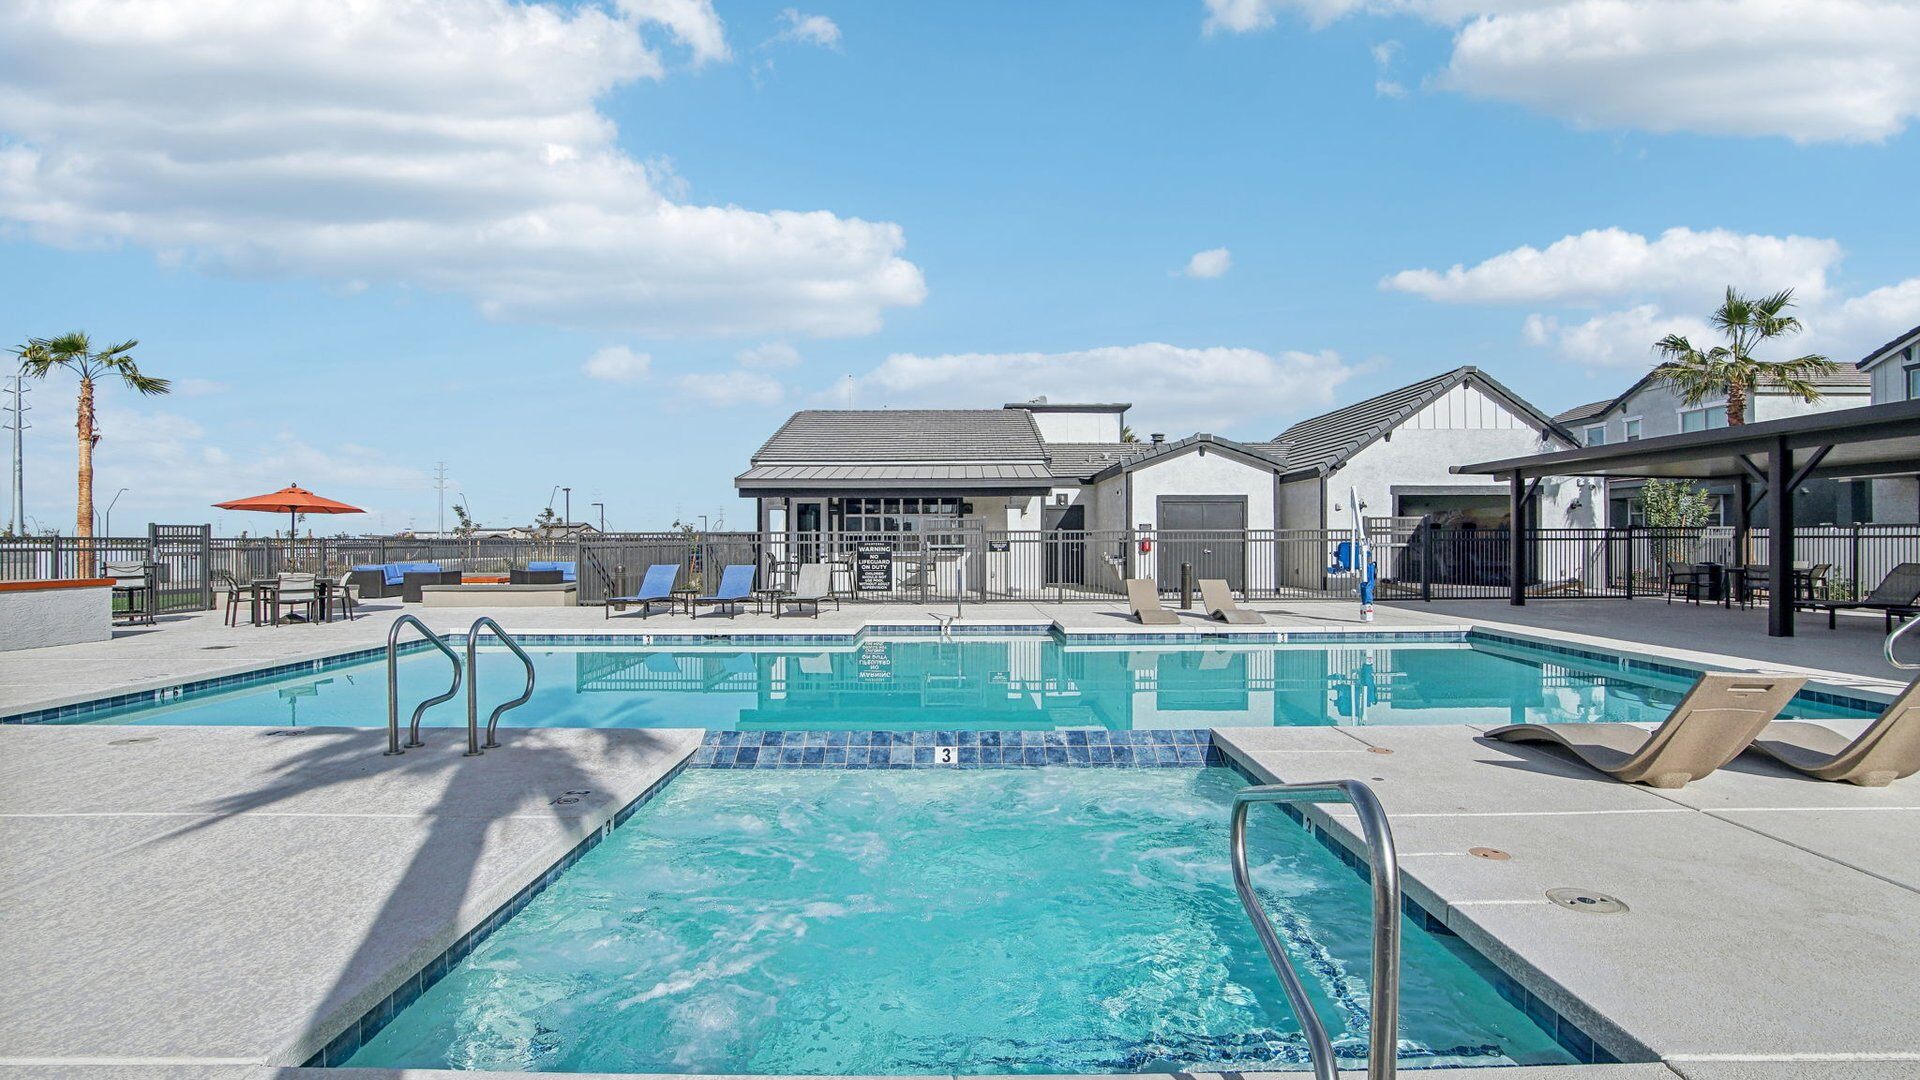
[612, 246]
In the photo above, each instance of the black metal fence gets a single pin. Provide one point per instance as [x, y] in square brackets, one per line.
[1415, 561]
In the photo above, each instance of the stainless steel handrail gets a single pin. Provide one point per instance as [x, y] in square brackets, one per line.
[473, 685]
[1895, 636]
[393, 684]
[1384, 1038]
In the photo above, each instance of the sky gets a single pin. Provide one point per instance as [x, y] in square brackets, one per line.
[612, 245]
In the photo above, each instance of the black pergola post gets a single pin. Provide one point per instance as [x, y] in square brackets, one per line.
[1780, 540]
[1742, 526]
[1517, 541]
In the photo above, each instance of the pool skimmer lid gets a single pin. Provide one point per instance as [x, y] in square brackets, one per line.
[1587, 900]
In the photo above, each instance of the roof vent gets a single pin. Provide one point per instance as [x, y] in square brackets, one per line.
[1158, 436]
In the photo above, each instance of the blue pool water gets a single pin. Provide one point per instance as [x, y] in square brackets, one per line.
[1031, 683]
[931, 922]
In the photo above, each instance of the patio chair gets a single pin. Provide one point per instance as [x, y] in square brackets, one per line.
[237, 594]
[655, 588]
[1718, 718]
[1690, 579]
[1217, 598]
[813, 586]
[1888, 750]
[736, 587]
[133, 582]
[295, 591]
[344, 598]
[1896, 595]
[1143, 600]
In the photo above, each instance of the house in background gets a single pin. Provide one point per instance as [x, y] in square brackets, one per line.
[1893, 372]
[1046, 468]
[1649, 409]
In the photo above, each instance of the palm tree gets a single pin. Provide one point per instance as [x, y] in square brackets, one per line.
[74, 352]
[1731, 369]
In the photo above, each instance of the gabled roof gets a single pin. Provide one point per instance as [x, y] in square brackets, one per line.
[1081, 461]
[1889, 350]
[1323, 443]
[894, 436]
[1840, 378]
[1591, 410]
[1252, 453]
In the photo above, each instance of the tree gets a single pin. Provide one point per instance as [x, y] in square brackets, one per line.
[1675, 504]
[463, 522]
[74, 352]
[1732, 369]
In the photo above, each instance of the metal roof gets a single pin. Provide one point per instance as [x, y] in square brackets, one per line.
[975, 477]
[1323, 443]
[1070, 406]
[873, 436]
[1873, 440]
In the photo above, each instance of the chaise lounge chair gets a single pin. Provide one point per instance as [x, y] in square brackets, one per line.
[813, 585]
[1718, 718]
[1143, 599]
[655, 588]
[1896, 594]
[736, 587]
[1888, 750]
[1217, 598]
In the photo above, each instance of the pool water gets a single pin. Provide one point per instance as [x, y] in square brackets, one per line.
[928, 922]
[1016, 683]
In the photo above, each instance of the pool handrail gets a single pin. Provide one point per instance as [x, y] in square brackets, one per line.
[393, 684]
[1383, 1033]
[473, 685]
[1895, 637]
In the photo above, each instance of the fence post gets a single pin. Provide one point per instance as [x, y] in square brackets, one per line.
[1853, 564]
[1629, 562]
[1426, 560]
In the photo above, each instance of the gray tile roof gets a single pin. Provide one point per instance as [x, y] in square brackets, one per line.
[1325, 441]
[873, 436]
[1840, 378]
[1584, 412]
[1886, 350]
[1080, 461]
[1264, 454]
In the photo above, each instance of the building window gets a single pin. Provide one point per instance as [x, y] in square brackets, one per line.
[896, 515]
[1704, 418]
[1596, 435]
[1913, 373]
[1633, 429]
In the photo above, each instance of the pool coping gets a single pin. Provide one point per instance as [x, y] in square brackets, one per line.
[1831, 688]
[1194, 748]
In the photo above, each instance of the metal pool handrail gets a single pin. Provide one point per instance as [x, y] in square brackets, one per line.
[393, 684]
[1895, 636]
[473, 685]
[1384, 1039]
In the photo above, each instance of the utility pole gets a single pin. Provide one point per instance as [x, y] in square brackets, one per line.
[603, 515]
[17, 518]
[440, 485]
[566, 515]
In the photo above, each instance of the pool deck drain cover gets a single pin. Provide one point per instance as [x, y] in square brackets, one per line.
[135, 739]
[1493, 853]
[1587, 900]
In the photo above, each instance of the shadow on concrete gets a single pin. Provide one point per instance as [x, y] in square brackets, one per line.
[420, 908]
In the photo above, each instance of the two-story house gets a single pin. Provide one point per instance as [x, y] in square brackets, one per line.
[1650, 408]
[1893, 371]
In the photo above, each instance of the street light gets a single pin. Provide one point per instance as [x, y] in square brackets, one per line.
[107, 527]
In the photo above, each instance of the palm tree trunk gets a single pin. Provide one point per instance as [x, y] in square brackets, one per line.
[83, 504]
[1736, 405]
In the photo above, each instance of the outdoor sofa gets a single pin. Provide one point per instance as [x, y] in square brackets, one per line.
[543, 573]
[377, 581]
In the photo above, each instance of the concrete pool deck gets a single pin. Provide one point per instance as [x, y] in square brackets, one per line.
[211, 902]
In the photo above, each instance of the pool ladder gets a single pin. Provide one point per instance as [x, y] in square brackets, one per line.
[1383, 1033]
[1894, 637]
[474, 746]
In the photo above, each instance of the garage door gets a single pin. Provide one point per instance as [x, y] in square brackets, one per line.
[1221, 555]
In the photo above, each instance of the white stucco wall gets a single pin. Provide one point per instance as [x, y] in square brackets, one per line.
[1078, 427]
[1203, 471]
[1767, 406]
[36, 618]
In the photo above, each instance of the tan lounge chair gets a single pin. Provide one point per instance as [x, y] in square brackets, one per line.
[1718, 718]
[1888, 750]
[1217, 598]
[1143, 599]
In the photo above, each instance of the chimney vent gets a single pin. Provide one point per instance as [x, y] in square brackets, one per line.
[1158, 436]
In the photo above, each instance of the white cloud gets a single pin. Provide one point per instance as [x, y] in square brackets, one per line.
[1603, 263]
[1210, 263]
[452, 145]
[693, 23]
[617, 363]
[771, 356]
[1184, 389]
[727, 388]
[1622, 339]
[1809, 70]
[801, 29]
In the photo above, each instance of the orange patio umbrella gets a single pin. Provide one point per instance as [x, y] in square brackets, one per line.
[292, 500]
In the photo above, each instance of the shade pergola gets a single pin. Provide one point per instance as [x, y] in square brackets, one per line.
[1774, 456]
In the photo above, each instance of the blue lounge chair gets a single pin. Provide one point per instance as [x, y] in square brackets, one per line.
[736, 587]
[655, 588]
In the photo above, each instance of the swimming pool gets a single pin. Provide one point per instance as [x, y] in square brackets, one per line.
[1031, 682]
[933, 922]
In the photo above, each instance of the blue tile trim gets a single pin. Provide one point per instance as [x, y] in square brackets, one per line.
[367, 1026]
[1563, 1031]
[1191, 748]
